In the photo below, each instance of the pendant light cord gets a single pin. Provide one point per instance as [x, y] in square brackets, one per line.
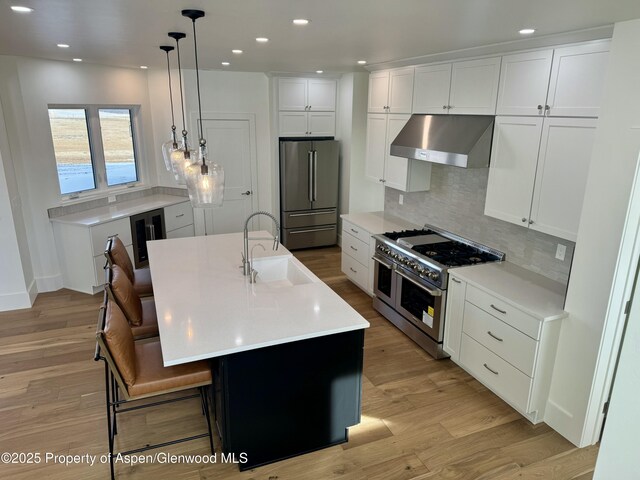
[184, 130]
[195, 46]
[173, 120]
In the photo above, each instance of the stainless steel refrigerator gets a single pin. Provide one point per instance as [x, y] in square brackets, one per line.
[309, 193]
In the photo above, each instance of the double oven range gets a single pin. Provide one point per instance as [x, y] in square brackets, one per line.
[410, 281]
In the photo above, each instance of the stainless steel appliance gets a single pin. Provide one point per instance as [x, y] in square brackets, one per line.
[146, 226]
[309, 193]
[410, 279]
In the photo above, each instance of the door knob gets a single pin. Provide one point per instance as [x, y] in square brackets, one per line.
[248, 192]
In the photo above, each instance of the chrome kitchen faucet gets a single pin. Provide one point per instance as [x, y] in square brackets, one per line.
[246, 261]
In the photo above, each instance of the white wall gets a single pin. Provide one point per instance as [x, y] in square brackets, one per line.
[589, 296]
[27, 86]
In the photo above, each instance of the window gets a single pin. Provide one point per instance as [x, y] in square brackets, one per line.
[95, 148]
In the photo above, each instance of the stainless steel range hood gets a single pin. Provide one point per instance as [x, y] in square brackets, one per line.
[459, 140]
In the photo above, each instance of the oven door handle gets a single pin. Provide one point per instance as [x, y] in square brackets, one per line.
[434, 293]
[383, 262]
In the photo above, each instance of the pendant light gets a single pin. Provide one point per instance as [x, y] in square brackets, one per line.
[182, 158]
[171, 145]
[205, 182]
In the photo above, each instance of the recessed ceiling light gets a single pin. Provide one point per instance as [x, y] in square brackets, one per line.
[225, 64]
[63, 45]
[77, 59]
[527, 31]
[236, 51]
[262, 39]
[362, 62]
[144, 67]
[18, 8]
[301, 21]
[319, 71]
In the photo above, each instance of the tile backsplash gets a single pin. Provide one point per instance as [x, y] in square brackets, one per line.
[455, 202]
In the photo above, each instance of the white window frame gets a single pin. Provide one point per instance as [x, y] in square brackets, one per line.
[97, 152]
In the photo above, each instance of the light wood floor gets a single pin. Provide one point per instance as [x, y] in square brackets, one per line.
[421, 418]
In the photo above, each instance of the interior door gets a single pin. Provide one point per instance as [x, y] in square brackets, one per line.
[229, 144]
[326, 164]
[295, 162]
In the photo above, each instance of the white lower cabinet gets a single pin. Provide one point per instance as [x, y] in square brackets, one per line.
[505, 348]
[356, 256]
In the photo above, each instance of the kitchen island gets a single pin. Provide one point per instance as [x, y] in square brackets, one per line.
[286, 350]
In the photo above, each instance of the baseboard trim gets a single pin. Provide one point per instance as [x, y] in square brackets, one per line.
[32, 291]
[49, 284]
[14, 301]
[562, 421]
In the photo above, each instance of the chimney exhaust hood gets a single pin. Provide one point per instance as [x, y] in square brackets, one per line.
[458, 140]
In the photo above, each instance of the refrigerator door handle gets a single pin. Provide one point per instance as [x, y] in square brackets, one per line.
[311, 174]
[315, 175]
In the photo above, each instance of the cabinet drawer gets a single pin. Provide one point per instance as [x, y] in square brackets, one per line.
[355, 248]
[178, 216]
[187, 231]
[505, 312]
[504, 379]
[358, 232]
[356, 272]
[100, 233]
[512, 345]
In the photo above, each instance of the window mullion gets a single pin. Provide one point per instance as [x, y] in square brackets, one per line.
[97, 149]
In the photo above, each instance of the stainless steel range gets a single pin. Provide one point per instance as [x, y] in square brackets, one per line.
[411, 278]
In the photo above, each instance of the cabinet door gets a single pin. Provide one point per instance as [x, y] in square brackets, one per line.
[431, 88]
[577, 80]
[292, 94]
[454, 316]
[376, 142]
[293, 124]
[561, 177]
[512, 171]
[524, 81]
[400, 90]
[474, 86]
[322, 95]
[378, 92]
[322, 124]
[395, 168]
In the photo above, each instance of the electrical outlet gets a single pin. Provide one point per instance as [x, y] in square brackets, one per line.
[112, 198]
[561, 251]
[401, 199]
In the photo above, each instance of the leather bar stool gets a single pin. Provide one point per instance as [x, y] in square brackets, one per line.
[139, 312]
[135, 371]
[140, 278]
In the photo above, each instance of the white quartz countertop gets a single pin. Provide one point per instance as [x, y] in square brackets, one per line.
[95, 216]
[531, 292]
[378, 222]
[208, 308]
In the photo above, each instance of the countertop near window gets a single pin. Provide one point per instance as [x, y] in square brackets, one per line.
[208, 308]
[378, 222]
[96, 216]
[531, 292]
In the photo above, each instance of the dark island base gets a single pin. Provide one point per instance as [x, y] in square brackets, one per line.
[277, 402]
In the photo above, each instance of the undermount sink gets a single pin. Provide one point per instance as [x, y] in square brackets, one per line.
[279, 272]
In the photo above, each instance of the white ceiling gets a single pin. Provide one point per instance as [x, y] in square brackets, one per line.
[128, 32]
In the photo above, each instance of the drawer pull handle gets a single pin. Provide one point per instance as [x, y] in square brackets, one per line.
[498, 310]
[354, 231]
[181, 215]
[493, 336]
[354, 271]
[353, 248]
[456, 280]
[490, 369]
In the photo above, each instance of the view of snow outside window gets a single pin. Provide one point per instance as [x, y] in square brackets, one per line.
[73, 153]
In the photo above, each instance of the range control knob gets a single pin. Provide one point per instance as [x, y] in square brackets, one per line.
[433, 275]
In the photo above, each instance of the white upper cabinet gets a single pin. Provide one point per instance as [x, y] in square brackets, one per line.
[565, 82]
[561, 176]
[306, 94]
[391, 91]
[376, 142]
[524, 82]
[474, 87]
[577, 80]
[538, 172]
[469, 87]
[431, 89]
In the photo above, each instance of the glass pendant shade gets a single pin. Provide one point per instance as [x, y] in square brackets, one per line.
[168, 148]
[206, 190]
[180, 162]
